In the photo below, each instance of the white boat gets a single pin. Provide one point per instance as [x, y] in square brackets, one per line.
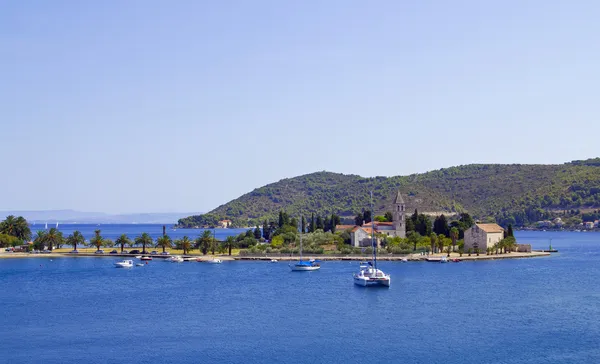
[138, 257]
[215, 261]
[139, 265]
[369, 275]
[175, 259]
[146, 258]
[273, 260]
[124, 264]
[304, 265]
[443, 259]
[190, 259]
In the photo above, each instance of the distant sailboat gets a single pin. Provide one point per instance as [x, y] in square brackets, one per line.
[57, 224]
[46, 227]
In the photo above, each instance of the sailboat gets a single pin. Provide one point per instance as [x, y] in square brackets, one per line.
[57, 224]
[368, 274]
[304, 265]
[46, 227]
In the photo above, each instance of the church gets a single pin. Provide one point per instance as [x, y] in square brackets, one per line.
[361, 235]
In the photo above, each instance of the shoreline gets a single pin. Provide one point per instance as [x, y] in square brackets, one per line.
[409, 257]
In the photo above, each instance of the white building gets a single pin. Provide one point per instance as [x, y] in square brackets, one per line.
[361, 235]
[482, 236]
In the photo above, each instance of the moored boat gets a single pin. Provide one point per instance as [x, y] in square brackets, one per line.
[124, 264]
[369, 275]
[215, 261]
[304, 265]
[175, 259]
[146, 258]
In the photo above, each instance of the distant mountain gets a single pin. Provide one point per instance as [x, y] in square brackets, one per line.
[509, 193]
[72, 216]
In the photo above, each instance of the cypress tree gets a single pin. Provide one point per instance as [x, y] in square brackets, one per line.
[510, 231]
[319, 223]
[303, 226]
[265, 230]
[312, 223]
[257, 233]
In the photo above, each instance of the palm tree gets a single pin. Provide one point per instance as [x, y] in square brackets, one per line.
[184, 243]
[230, 243]
[203, 242]
[40, 240]
[432, 239]
[164, 242]
[75, 238]
[97, 240]
[144, 240]
[440, 241]
[16, 226]
[54, 238]
[454, 237]
[122, 241]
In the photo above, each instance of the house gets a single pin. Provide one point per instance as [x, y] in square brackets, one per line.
[361, 235]
[224, 223]
[482, 236]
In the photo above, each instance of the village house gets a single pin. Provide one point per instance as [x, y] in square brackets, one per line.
[482, 236]
[360, 236]
[224, 223]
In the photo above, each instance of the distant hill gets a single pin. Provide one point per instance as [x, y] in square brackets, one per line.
[72, 216]
[509, 193]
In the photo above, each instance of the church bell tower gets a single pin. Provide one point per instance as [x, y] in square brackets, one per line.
[398, 215]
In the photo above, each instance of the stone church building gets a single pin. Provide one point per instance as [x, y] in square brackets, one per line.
[361, 235]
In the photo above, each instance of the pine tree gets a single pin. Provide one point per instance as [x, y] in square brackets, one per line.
[388, 216]
[367, 216]
[358, 220]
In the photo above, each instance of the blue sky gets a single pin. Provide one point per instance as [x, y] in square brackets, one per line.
[159, 106]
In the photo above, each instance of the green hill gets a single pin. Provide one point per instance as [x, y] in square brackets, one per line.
[515, 193]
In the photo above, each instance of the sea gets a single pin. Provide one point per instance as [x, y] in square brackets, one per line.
[511, 311]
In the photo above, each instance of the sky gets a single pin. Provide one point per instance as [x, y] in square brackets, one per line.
[168, 106]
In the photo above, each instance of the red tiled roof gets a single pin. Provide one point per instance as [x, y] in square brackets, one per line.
[490, 228]
[344, 227]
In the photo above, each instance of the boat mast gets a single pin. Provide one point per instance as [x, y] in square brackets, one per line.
[300, 244]
[373, 234]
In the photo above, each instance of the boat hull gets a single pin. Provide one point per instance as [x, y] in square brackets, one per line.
[304, 268]
[371, 282]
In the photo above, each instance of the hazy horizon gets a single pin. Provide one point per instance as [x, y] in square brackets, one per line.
[135, 107]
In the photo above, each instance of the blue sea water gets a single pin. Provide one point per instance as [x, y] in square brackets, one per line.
[515, 311]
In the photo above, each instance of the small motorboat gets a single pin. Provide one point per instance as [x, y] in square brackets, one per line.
[175, 259]
[455, 260]
[138, 257]
[273, 260]
[146, 258]
[190, 259]
[443, 259]
[215, 261]
[124, 264]
[139, 265]
[404, 260]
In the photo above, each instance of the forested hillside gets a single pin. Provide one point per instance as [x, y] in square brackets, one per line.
[517, 194]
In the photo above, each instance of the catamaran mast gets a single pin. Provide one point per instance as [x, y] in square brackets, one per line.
[373, 234]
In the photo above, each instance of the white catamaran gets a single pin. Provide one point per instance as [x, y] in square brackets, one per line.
[304, 265]
[369, 275]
